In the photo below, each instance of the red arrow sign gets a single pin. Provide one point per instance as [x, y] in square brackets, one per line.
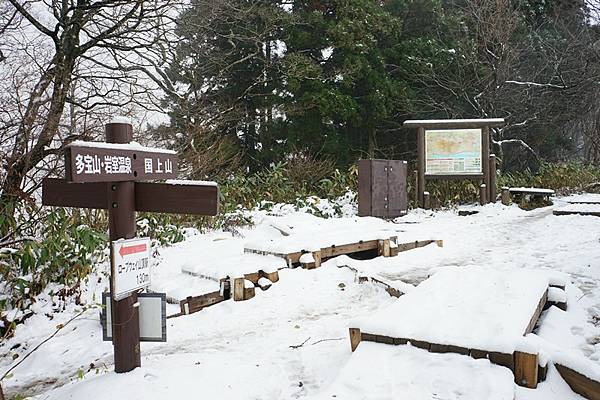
[136, 248]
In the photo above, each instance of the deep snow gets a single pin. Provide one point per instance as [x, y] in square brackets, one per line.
[291, 341]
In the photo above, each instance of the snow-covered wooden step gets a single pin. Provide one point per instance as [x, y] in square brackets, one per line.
[476, 311]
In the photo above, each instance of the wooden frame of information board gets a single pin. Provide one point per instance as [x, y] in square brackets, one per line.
[487, 176]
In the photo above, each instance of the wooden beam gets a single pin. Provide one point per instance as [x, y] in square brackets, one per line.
[455, 123]
[526, 369]
[60, 193]
[177, 198]
[536, 314]
[149, 197]
[580, 383]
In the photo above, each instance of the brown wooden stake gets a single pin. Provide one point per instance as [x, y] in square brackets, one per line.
[426, 201]
[416, 188]
[384, 248]
[121, 220]
[505, 196]
[492, 188]
[482, 194]
[1, 393]
[354, 338]
[526, 369]
[485, 156]
[421, 165]
[238, 289]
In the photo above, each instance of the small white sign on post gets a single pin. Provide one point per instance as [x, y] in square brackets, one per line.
[130, 266]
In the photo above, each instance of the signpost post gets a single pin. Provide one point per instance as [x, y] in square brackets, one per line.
[106, 176]
[455, 149]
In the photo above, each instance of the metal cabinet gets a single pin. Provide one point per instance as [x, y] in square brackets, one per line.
[382, 190]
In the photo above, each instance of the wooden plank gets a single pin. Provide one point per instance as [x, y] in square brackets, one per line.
[149, 197]
[117, 163]
[580, 383]
[196, 303]
[272, 276]
[400, 341]
[355, 338]
[177, 199]
[503, 359]
[526, 369]
[420, 344]
[385, 339]
[455, 123]
[537, 313]
[446, 348]
[477, 354]
[60, 193]
[365, 194]
[368, 337]
[337, 250]
[238, 289]
[584, 213]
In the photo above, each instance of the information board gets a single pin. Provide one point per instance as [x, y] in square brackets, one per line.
[453, 152]
[153, 317]
[130, 266]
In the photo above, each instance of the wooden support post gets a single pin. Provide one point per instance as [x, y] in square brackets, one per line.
[482, 194]
[384, 248]
[416, 188]
[421, 165]
[526, 369]
[492, 188]
[238, 289]
[426, 201]
[249, 292]
[505, 195]
[121, 221]
[485, 156]
[354, 338]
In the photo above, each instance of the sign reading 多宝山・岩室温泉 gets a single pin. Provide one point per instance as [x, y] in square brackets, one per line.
[106, 162]
[453, 152]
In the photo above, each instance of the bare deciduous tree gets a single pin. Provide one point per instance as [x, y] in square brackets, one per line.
[63, 65]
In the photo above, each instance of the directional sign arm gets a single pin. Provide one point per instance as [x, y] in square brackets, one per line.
[149, 197]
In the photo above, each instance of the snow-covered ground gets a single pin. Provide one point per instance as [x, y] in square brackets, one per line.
[291, 341]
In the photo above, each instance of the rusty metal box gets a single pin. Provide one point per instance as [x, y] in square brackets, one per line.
[382, 190]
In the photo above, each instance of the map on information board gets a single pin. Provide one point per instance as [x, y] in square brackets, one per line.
[453, 152]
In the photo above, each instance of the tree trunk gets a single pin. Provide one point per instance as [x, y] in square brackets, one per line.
[371, 144]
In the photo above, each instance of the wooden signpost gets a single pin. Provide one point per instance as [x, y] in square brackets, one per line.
[455, 149]
[106, 176]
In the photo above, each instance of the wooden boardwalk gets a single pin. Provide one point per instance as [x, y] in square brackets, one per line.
[476, 321]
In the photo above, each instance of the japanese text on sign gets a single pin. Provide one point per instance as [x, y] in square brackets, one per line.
[130, 266]
[93, 164]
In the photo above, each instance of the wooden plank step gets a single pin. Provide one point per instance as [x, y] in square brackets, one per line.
[579, 383]
[525, 366]
[569, 212]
